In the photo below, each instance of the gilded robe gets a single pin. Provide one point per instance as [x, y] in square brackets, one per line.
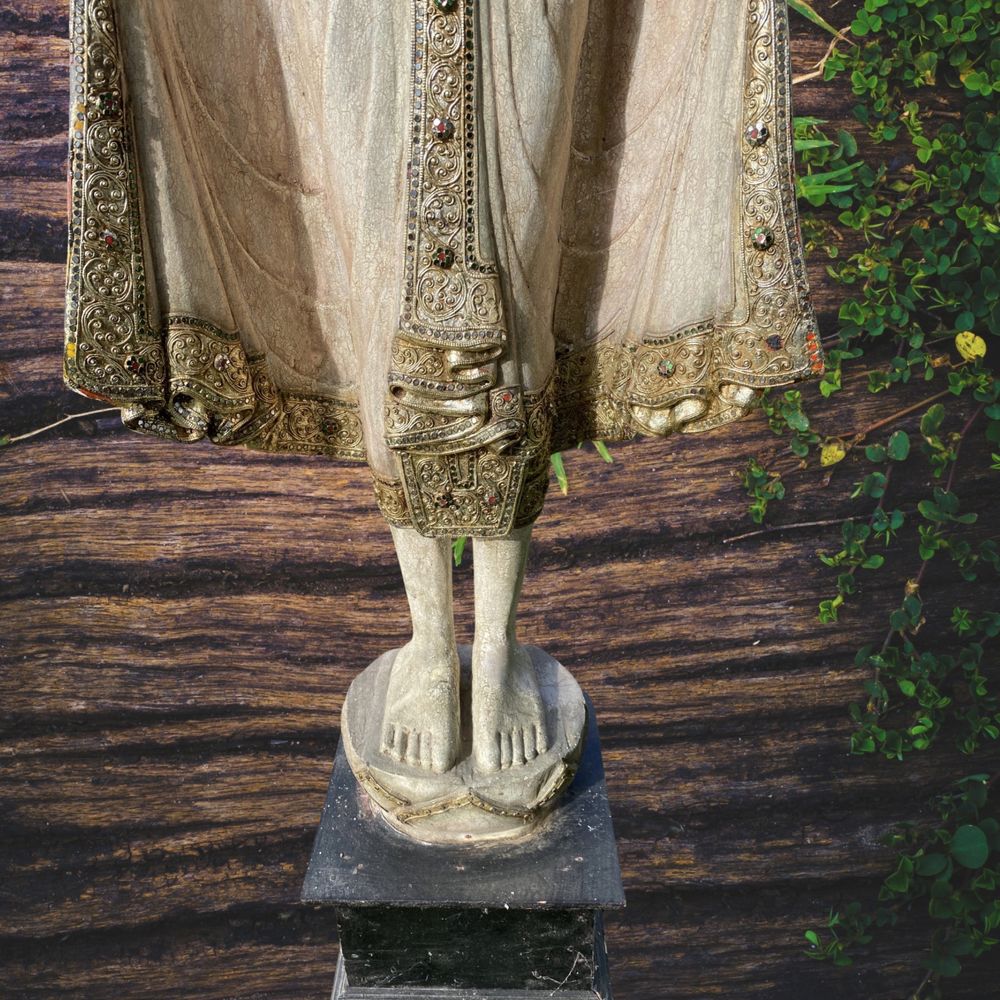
[447, 237]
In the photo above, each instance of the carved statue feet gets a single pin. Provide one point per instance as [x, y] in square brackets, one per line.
[401, 713]
[421, 718]
[508, 713]
[667, 419]
[737, 400]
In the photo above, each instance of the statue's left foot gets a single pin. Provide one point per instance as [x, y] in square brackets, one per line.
[508, 714]
[668, 419]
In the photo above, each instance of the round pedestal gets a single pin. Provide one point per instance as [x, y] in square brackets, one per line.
[463, 804]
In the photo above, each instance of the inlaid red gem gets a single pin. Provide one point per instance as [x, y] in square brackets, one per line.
[757, 134]
[492, 500]
[107, 103]
[109, 238]
[443, 257]
[444, 499]
[507, 396]
[133, 364]
[443, 128]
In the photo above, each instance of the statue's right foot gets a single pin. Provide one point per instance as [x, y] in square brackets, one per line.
[421, 720]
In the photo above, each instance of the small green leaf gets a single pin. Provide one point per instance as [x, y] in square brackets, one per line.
[930, 510]
[801, 145]
[807, 11]
[931, 421]
[931, 864]
[602, 449]
[944, 965]
[969, 846]
[458, 549]
[899, 446]
[899, 880]
[559, 468]
[797, 420]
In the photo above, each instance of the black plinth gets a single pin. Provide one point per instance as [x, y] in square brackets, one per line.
[492, 922]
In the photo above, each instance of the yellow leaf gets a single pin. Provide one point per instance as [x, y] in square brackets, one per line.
[970, 345]
[832, 453]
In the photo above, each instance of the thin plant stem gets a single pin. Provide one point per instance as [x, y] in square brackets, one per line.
[918, 992]
[817, 70]
[893, 417]
[770, 529]
[57, 423]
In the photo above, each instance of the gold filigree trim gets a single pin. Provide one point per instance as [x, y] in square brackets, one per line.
[216, 391]
[452, 337]
[773, 346]
[391, 501]
[111, 353]
[459, 435]
[482, 492]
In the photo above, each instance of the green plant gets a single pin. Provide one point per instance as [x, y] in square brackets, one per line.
[952, 866]
[921, 306]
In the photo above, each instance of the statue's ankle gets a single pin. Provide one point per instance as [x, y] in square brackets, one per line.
[494, 640]
[429, 658]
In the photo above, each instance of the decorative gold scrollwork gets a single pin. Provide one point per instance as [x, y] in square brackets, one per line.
[459, 435]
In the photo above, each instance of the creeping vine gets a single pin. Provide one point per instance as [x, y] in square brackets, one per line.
[918, 206]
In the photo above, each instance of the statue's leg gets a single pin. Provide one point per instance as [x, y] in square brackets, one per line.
[508, 715]
[421, 720]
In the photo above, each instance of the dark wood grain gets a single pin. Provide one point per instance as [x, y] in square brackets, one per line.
[180, 625]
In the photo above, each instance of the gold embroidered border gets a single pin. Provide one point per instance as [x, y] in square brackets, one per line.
[778, 343]
[216, 391]
[461, 439]
[111, 353]
[452, 335]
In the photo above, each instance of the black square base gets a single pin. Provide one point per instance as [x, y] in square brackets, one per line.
[500, 921]
[597, 988]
